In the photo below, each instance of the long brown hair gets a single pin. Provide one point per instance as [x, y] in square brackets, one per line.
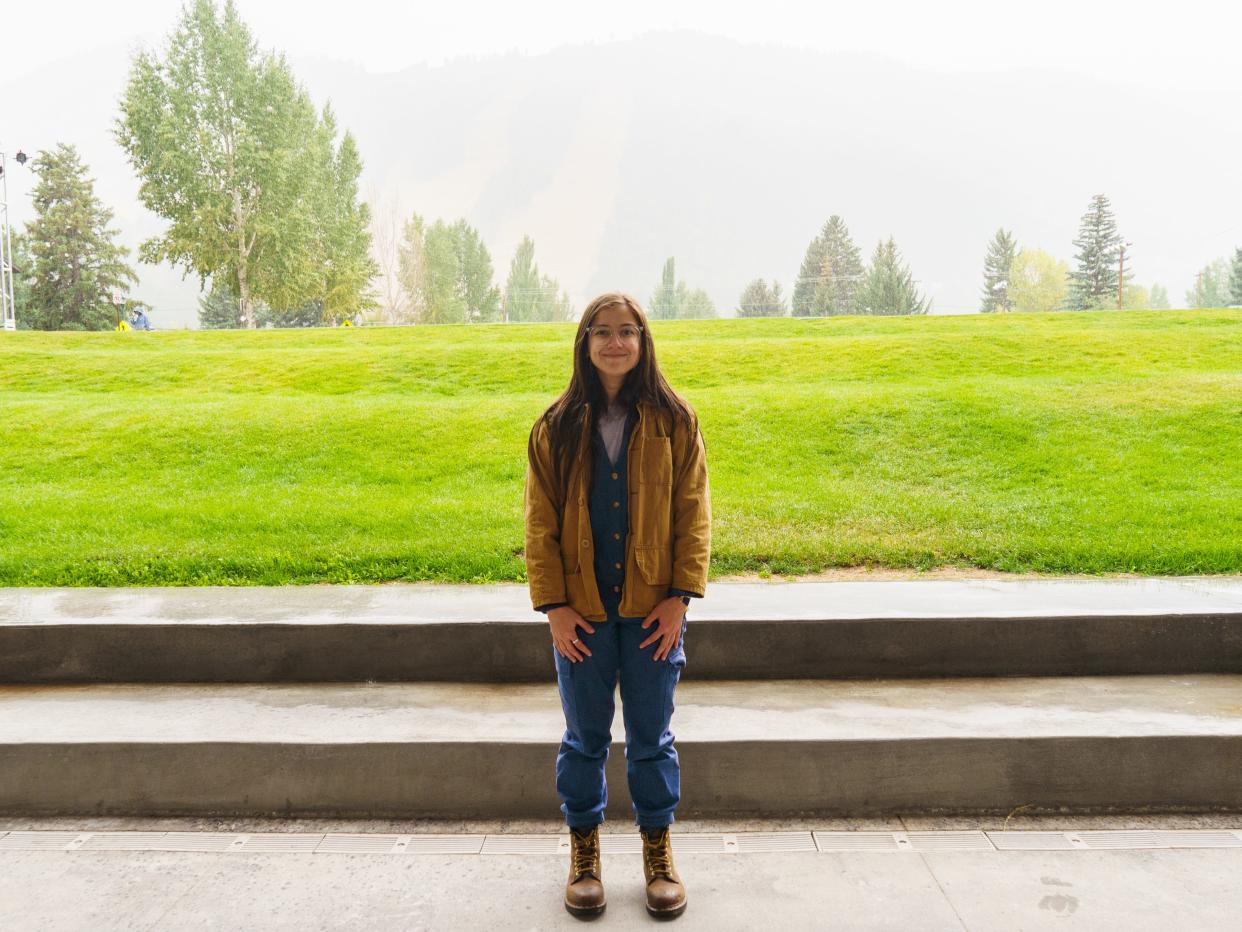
[566, 417]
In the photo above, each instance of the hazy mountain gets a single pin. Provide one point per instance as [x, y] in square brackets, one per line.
[728, 156]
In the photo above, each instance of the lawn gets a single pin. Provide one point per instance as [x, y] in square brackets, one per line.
[1074, 442]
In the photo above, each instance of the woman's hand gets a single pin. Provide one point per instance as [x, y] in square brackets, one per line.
[565, 622]
[667, 616]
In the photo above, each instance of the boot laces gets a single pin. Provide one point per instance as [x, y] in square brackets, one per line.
[585, 854]
[658, 853]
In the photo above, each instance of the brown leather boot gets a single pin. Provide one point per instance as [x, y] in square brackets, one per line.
[584, 893]
[666, 897]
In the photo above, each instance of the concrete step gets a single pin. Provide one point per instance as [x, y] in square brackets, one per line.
[740, 631]
[830, 747]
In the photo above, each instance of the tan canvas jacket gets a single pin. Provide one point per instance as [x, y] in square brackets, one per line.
[670, 519]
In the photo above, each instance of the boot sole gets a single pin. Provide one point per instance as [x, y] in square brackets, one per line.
[666, 913]
[586, 912]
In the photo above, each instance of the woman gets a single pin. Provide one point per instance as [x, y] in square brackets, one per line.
[618, 536]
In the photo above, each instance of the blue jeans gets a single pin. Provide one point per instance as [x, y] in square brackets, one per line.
[587, 689]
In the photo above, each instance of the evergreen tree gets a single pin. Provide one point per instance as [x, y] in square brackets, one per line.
[810, 277]
[760, 300]
[664, 303]
[888, 287]
[1159, 298]
[1235, 279]
[841, 271]
[1093, 281]
[997, 266]
[1211, 286]
[694, 304]
[218, 309]
[76, 263]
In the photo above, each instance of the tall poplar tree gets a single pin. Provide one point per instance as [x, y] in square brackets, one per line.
[997, 265]
[75, 263]
[1093, 280]
[530, 295]
[229, 150]
[665, 303]
[457, 276]
[1235, 278]
[888, 286]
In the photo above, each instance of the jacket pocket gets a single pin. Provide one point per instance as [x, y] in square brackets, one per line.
[655, 465]
[656, 565]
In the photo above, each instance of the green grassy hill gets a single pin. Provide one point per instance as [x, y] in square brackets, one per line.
[1088, 442]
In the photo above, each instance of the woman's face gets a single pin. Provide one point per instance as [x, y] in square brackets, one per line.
[615, 356]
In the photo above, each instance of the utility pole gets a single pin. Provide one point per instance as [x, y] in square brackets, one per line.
[8, 310]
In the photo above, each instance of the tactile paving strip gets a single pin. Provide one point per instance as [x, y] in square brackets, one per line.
[615, 843]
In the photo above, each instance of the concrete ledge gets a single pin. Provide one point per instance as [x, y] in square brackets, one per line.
[741, 630]
[1152, 743]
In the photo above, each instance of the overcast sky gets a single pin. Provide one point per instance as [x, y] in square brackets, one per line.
[1180, 57]
[1191, 45]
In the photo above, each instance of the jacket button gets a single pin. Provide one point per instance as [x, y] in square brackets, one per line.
[615, 476]
[616, 504]
[617, 565]
[586, 543]
[616, 588]
[616, 535]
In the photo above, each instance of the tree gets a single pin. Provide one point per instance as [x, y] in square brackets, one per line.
[760, 300]
[831, 273]
[1159, 298]
[347, 268]
[218, 309]
[458, 276]
[810, 276]
[22, 264]
[887, 286]
[1211, 286]
[1235, 279]
[997, 265]
[1093, 281]
[75, 262]
[530, 295]
[393, 304]
[841, 271]
[694, 304]
[1037, 281]
[412, 267]
[230, 151]
[665, 303]
[1135, 298]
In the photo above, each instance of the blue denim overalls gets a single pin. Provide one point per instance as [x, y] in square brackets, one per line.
[587, 687]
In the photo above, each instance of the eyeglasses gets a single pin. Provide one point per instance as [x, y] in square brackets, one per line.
[629, 333]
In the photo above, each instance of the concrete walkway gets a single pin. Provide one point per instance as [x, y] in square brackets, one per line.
[1131, 888]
